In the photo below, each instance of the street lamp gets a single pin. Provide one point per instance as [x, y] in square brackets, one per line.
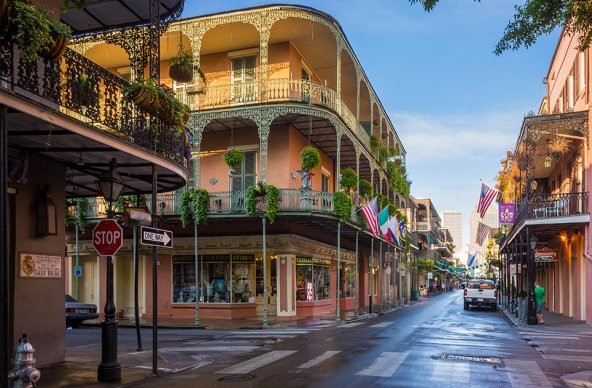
[110, 186]
[532, 241]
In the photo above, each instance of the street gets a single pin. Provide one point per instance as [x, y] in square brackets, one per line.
[434, 342]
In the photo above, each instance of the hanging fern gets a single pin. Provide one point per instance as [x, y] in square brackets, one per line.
[200, 209]
[261, 190]
[342, 205]
[349, 179]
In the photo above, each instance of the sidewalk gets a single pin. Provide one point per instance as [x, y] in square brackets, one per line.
[557, 323]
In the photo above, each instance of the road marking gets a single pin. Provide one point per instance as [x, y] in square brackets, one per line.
[226, 348]
[567, 358]
[526, 374]
[353, 324]
[257, 362]
[317, 360]
[385, 365]
[382, 324]
[458, 372]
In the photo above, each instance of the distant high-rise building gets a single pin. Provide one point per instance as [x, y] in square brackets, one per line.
[452, 220]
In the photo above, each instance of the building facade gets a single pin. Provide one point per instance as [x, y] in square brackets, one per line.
[276, 79]
[453, 221]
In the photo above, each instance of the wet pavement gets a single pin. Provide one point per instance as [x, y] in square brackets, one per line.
[80, 367]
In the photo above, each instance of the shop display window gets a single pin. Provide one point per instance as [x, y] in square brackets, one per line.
[313, 279]
[348, 280]
[217, 285]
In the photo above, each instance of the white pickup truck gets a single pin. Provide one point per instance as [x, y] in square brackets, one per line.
[480, 292]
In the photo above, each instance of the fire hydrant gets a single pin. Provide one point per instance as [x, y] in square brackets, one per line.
[23, 374]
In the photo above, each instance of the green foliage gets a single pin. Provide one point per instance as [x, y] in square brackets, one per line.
[80, 212]
[349, 178]
[366, 190]
[80, 4]
[200, 199]
[261, 190]
[540, 17]
[425, 265]
[233, 157]
[378, 149]
[310, 157]
[342, 205]
[398, 180]
[32, 29]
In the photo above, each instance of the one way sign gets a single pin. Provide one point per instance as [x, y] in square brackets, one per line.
[158, 237]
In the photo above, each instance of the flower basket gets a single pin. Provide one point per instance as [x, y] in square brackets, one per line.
[55, 50]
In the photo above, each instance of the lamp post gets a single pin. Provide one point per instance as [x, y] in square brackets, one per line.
[110, 185]
[532, 241]
[197, 293]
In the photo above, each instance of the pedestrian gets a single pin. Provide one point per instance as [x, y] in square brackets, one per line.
[539, 298]
[443, 287]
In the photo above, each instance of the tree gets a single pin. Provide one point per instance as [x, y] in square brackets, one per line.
[539, 17]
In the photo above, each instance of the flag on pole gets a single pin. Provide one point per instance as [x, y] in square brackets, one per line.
[393, 226]
[482, 232]
[370, 212]
[471, 259]
[487, 196]
[402, 232]
[383, 217]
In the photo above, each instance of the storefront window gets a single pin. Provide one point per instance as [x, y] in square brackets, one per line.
[272, 268]
[183, 279]
[348, 280]
[216, 286]
[313, 279]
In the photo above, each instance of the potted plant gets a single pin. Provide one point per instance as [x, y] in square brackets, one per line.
[233, 158]
[349, 179]
[262, 191]
[195, 203]
[310, 157]
[181, 68]
[342, 205]
[60, 35]
[366, 190]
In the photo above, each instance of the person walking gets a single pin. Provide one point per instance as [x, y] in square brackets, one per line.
[539, 298]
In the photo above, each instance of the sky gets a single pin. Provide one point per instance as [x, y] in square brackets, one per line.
[455, 105]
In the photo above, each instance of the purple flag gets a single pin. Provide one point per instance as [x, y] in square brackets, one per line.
[507, 211]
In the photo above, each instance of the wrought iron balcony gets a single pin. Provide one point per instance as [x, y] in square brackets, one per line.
[552, 206]
[79, 88]
[276, 91]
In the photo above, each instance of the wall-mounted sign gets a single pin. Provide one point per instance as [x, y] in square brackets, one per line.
[34, 265]
[545, 255]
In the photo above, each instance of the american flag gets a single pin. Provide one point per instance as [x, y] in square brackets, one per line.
[482, 232]
[370, 212]
[487, 196]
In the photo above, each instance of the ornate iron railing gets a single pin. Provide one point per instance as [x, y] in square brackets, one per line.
[277, 90]
[551, 206]
[79, 88]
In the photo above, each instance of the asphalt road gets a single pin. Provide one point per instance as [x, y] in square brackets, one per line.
[432, 343]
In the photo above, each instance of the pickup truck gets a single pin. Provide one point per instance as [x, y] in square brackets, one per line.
[480, 292]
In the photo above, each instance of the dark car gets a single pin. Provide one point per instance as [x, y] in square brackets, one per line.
[76, 312]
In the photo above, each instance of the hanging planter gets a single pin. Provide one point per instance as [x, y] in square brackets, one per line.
[310, 157]
[262, 192]
[233, 158]
[182, 68]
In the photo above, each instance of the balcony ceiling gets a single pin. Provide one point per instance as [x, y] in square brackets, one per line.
[85, 157]
[104, 15]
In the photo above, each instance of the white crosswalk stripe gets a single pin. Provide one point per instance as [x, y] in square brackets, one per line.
[353, 324]
[385, 365]
[526, 374]
[257, 362]
[452, 371]
[317, 360]
[382, 324]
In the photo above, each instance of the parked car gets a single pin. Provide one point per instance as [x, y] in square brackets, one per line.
[77, 312]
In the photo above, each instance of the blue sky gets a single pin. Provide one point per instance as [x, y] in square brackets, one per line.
[455, 105]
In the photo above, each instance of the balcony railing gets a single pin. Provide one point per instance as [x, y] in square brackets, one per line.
[77, 87]
[278, 90]
[552, 206]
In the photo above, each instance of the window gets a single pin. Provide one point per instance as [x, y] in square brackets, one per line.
[273, 278]
[313, 279]
[244, 85]
[305, 85]
[348, 280]
[324, 182]
[183, 283]
[243, 177]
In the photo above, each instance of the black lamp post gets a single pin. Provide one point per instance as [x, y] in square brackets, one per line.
[532, 241]
[110, 185]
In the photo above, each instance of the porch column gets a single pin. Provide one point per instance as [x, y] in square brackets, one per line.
[263, 127]
[286, 287]
[263, 61]
[196, 126]
[338, 161]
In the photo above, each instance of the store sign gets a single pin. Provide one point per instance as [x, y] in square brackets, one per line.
[545, 255]
[40, 266]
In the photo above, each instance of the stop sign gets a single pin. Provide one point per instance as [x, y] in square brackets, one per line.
[107, 237]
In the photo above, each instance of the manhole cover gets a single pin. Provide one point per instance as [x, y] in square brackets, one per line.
[236, 378]
[489, 360]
